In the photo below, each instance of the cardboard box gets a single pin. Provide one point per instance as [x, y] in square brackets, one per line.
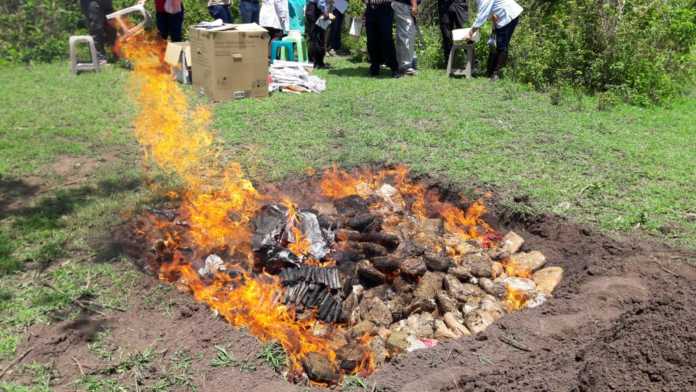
[230, 62]
[178, 55]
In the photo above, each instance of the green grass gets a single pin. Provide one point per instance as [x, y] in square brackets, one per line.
[625, 169]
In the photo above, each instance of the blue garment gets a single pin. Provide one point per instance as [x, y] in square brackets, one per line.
[249, 11]
[321, 3]
[504, 12]
[220, 12]
[296, 10]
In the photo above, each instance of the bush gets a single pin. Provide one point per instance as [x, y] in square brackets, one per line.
[641, 51]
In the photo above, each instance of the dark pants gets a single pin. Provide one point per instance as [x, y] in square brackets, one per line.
[220, 12]
[380, 41]
[249, 11]
[453, 15]
[503, 35]
[170, 25]
[336, 28]
[95, 12]
[315, 34]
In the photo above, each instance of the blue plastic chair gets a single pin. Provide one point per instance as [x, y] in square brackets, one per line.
[277, 44]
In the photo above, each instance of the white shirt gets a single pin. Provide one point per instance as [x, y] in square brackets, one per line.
[274, 13]
[503, 10]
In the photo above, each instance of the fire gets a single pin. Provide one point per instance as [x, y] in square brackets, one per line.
[512, 268]
[218, 203]
[515, 299]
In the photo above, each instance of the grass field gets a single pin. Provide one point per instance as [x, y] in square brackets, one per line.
[70, 168]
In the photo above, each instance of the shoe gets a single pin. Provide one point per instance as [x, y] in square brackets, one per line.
[332, 53]
[322, 66]
[396, 74]
[410, 72]
[374, 71]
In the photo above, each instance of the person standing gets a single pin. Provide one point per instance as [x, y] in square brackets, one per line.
[454, 14]
[220, 9]
[405, 12]
[249, 11]
[170, 19]
[102, 32]
[316, 10]
[296, 9]
[505, 15]
[339, 13]
[379, 17]
[274, 17]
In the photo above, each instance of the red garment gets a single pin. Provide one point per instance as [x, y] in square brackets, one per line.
[159, 5]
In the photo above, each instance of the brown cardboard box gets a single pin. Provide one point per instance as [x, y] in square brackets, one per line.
[230, 62]
[178, 55]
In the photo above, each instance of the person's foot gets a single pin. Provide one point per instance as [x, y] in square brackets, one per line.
[396, 74]
[374, 71]
[332, 53]
[343, 52]
[322, 66]
[495, 77]
[101, 59]
[409, 72]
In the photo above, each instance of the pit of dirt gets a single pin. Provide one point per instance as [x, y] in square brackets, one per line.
[622, 318]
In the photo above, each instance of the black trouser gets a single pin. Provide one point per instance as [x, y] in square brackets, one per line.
[380, 41]
[336, 27]
[169, 25]
[316, 34]
[503, 35]
[453, 15]
[95, 12]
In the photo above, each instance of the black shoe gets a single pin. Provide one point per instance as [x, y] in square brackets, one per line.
[374, 71]
[322, 66]
[396, 74]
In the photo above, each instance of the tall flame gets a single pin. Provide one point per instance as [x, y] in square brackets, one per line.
[218, 202]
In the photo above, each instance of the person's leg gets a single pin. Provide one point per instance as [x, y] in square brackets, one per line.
[503, 36]
[227, 13]
[110, 31]
[96, 20]
[402, 15]
[176, 24]
[162, 24]
[336, 27]
[373, 40]
[387, 37]
[215, 11]
[245, 11]
[255, 12]
[445, 30]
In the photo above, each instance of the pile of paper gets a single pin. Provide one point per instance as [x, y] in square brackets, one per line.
[294, 77]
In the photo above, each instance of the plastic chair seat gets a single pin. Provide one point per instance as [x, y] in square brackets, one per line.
[301, 47]
[75, 66]
[276, 45]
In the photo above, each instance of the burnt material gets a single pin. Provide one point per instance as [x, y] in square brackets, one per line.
[313, 287]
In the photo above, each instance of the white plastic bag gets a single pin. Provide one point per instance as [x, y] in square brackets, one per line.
[356, 26]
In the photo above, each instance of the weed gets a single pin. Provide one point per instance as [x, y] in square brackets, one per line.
[96, 384]
[100, 345]
[354, 383]
[274, 356]
[222, 358]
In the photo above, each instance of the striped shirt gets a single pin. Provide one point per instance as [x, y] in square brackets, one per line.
[504, 12]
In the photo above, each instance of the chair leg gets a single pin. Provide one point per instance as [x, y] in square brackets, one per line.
[469, 61]
[73, 58]
[450, 60]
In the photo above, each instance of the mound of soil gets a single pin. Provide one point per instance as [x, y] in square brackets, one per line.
[623, 319]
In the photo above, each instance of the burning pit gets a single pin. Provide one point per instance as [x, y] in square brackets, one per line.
[344, 269]
[348, 269]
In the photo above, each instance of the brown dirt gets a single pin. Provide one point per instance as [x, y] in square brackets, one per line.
[623, 319]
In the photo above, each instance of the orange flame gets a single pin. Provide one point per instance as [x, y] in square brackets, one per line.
[515, 299]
